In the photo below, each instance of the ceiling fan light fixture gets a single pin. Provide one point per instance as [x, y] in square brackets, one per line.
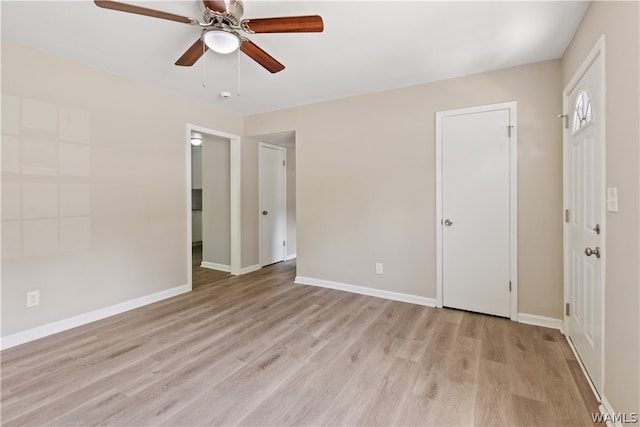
[221, 41]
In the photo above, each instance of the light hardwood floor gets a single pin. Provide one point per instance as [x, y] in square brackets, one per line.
[203, 276]
[259, 350]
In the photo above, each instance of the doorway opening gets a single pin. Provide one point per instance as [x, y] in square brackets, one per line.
[213, 196]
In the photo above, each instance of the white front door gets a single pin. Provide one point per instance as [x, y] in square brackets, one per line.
[475, 218]
[584, 227]
[272, 204]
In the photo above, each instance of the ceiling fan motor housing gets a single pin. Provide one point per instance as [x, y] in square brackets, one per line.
[235, 8]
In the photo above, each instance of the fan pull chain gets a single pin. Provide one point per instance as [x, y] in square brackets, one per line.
[204, 65]
[238, 79]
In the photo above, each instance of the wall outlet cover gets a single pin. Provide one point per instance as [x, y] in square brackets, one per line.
[33, 298]
[379, 268]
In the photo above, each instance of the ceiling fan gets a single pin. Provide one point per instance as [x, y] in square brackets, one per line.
[221, 25]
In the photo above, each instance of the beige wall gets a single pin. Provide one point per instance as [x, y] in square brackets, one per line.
[365, 178]
[216, 200]
[619, 22]
[93, 187]
[250, 202]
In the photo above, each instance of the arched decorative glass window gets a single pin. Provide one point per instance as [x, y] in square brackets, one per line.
[582, 115]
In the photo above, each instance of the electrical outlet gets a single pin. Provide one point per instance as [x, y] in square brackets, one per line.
[33, 298]
[379, 268]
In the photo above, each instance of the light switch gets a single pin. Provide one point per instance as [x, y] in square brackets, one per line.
[612, 199]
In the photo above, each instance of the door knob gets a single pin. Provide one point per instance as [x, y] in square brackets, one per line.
[448, 222]
[264, 212]
[589, 252]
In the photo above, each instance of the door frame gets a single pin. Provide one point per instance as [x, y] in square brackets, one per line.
[597, 50]
[234, 158]
[513, 196]
[284, 207]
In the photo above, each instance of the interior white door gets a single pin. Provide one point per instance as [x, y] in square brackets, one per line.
[584, 227]
[476, 211]
[272, 204]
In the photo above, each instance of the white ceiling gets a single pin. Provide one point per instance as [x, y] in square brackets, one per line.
[367, 46]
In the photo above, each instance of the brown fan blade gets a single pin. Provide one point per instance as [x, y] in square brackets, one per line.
[215, 5]
[260, 56]
[289, 24]
[192, 54]
[138, 10]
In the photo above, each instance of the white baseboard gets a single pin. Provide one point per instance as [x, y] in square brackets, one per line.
[290, 257]
[363, 290]
[216, 266]
[250, 269]
[607, 410]
[616, 419]
[82, 319]
[545, 322]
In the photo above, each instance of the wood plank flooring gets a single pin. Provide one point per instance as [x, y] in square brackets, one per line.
[203, 276]
[257, 350]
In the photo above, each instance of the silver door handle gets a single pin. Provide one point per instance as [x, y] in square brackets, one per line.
[589, 252]
[264, 212]
[448, 222]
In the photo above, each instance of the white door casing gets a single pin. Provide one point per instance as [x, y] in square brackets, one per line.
[476, 172]
[584, 226]
[272, 203]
